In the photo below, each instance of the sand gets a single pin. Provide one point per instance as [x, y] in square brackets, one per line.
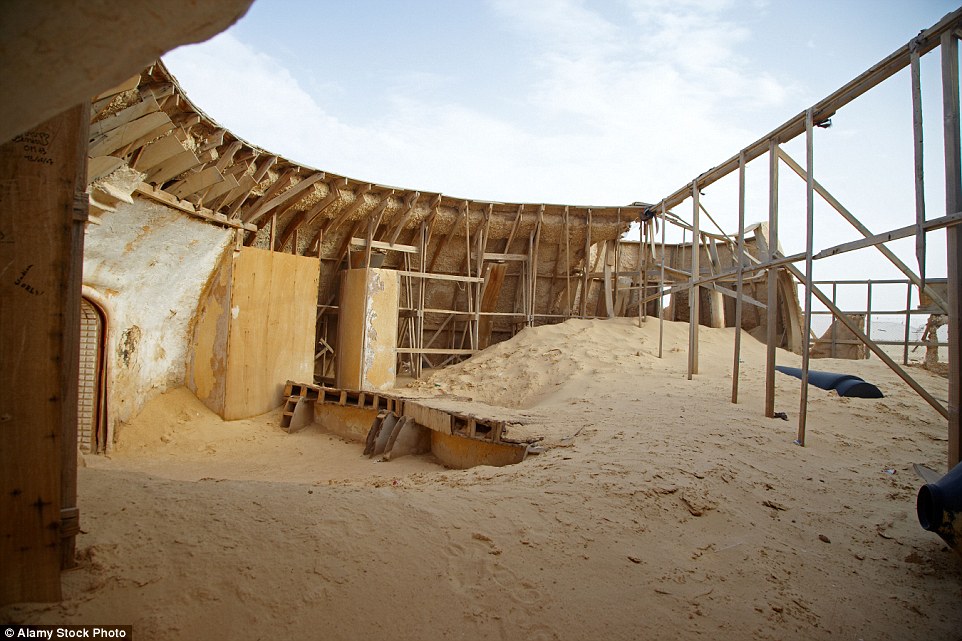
[659, 510]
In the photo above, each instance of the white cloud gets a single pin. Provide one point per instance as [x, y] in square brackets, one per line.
[612, 107]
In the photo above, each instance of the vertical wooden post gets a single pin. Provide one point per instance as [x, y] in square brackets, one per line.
[953, 203]
[868, 317]
[809, 239]
[585, 282]
[567, 264]
[42, 176]
[740, 277]
[919, 159]
[908, 320]
[661, 286]
[772, 316]
[694, 292]
[834, 324]
[642, 269]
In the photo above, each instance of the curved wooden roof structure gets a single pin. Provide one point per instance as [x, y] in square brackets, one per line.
[190, 162]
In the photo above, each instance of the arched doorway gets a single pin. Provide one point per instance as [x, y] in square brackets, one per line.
[92, 389]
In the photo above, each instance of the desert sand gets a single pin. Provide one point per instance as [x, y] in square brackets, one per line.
[658, 510]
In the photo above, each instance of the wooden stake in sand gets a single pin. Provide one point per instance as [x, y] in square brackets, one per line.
[809, 239]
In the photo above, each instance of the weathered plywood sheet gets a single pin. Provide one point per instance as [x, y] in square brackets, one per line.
[39, 334]
[272, 322]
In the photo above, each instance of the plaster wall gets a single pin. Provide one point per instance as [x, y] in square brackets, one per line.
[148, 265]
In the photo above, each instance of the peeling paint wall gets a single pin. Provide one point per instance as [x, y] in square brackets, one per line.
[367, 329]
[149, 264]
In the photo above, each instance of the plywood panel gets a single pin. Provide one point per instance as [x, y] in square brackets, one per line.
[39, 345]
[350, 328]
[272, 322]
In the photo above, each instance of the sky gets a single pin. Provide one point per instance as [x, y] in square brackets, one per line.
[588, 102]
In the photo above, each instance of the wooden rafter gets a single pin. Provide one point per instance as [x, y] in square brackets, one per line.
[265, 205]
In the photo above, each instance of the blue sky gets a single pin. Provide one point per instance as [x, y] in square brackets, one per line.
[582, 102]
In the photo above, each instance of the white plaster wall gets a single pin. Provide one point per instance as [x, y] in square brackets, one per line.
[149, 265]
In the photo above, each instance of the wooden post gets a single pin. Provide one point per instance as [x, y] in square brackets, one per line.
[908, 320]
[868, 316]
[739, 279]
[834, 325]
[772, 315]
[919, 158]
[953, 236]
[661, 287]
[642, 269]
[809, 240]
[42, 212]
[694, 293]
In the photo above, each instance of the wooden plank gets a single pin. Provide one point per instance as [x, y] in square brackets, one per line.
[428, 276]
[271, 201]
[895, 234]
[170, 200]
[111, 142]
[271, 337]
[124, 116]
[196, 182]
[825, 108]
[377, 244]
[174, 166]
[772, 299]
[435, 350]
[852, 220]
[885, 358]
[102, 166]
[917, 139]
[127, 85]
[157, 152]
[694, 294]
[433, 419]
[490, 292]
[41, 171]
[218, 189]
[953, 202]
[809, 240]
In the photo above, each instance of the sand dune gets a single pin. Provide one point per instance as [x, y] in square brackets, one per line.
[659, 510]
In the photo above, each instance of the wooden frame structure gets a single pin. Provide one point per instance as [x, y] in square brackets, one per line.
[943, 35]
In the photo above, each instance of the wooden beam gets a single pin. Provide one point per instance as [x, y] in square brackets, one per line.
[42, 175]
[953, 202]
[124, 116]
[852, 220]
[348, 211]
[895, 234]
[772, 300]
[377, 244]
[825, 108]
[395, 230]
[265, 204]
[117, 138]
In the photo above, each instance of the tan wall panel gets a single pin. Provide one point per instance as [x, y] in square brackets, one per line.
[272, 322]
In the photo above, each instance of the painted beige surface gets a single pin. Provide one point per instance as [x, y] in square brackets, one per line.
[271, 329]
[367, 329]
